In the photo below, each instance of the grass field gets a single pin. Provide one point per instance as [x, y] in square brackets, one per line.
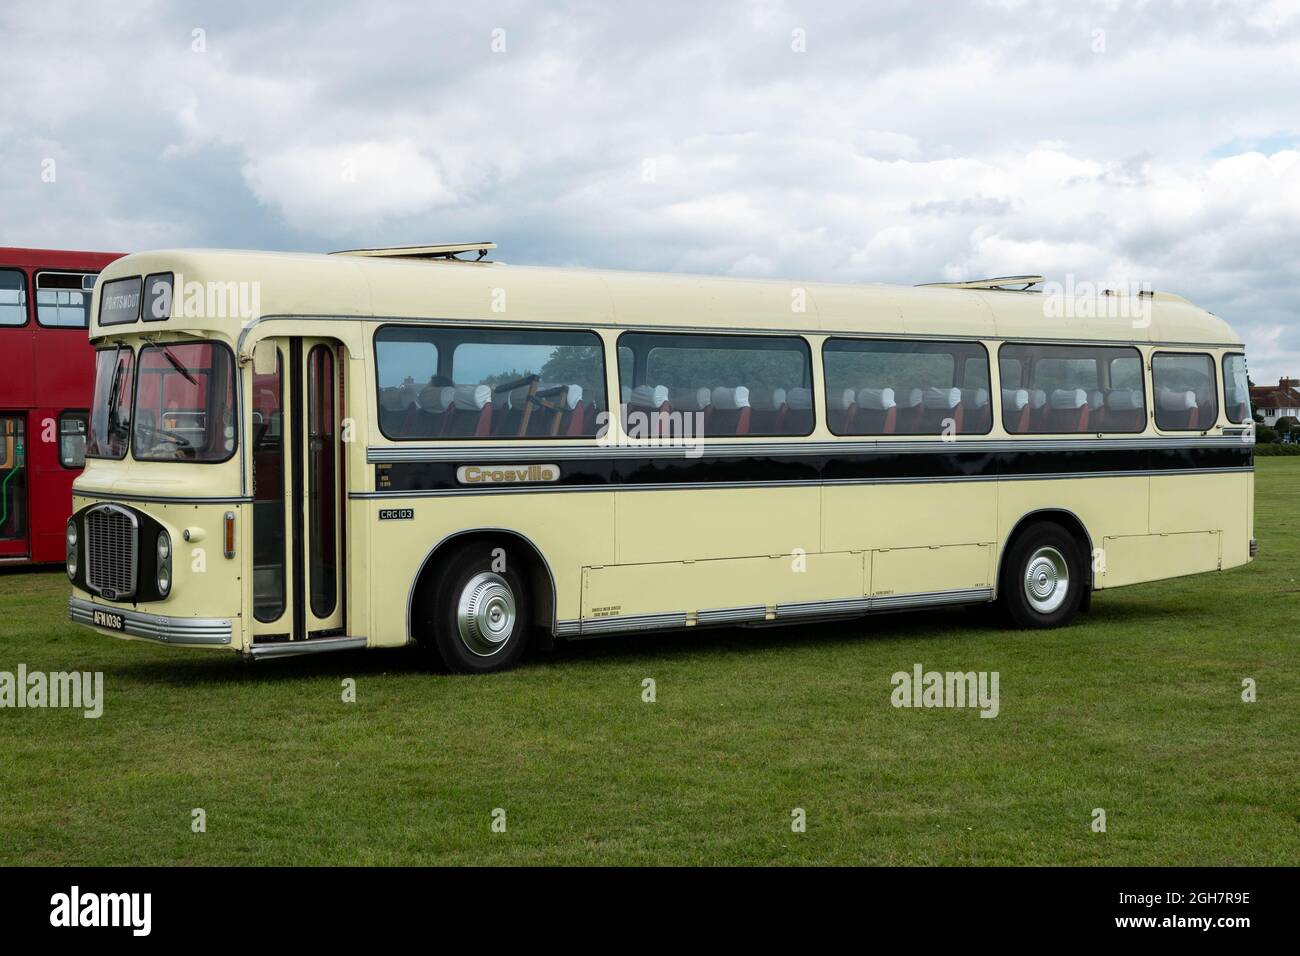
[1136, 709]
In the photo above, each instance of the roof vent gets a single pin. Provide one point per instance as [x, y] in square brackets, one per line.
[450, 250]
[1000, 284]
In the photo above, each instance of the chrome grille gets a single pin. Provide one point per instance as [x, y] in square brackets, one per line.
[111, 535]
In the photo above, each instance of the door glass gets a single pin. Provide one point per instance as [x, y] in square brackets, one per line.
[13, 480]
[321, 470]
[267, 440]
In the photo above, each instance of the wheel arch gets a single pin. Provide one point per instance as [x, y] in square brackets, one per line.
[540, 577]
[1068, 520]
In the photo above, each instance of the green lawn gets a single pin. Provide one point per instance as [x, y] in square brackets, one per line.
[1136, 709]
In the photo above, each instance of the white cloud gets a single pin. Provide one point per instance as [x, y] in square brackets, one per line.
[332, 187]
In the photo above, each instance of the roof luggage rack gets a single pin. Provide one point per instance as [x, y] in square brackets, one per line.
[1000, 284]
[450, 251]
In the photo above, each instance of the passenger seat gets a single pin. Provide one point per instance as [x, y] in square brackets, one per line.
[731, 411]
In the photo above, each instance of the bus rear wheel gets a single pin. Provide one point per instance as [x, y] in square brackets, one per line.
[481, 611]
[1043, 577]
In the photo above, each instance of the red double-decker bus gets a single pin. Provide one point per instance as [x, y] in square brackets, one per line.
[47, 371]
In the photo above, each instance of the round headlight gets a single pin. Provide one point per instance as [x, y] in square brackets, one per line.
[164, 563]
[71, 536]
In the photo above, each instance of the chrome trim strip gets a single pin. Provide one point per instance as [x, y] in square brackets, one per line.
[753, 612]
[163, 499]
[154, 627]
[567, 628]
[822, 608]
[631, 622]
[831, 483]
[886, 602]
[804, 609]
[390, 454]
[317, 645]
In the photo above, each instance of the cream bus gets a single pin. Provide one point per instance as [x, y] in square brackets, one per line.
[301, 453]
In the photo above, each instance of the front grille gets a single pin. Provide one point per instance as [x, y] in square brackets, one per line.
[111, 534]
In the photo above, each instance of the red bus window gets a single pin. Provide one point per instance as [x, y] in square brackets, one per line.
[13, 297]
[72, 439]
[63, 299]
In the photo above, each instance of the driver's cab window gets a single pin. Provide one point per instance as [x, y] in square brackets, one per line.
[185, 403]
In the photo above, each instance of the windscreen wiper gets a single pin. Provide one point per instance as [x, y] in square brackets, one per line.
[175, 362]
[113, 424]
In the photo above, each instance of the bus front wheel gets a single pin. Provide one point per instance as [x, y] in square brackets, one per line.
[1043, 577]
[481, 611]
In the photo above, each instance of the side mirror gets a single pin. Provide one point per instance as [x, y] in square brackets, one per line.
[265, 354]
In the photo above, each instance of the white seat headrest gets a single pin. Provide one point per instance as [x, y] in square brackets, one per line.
[1175, 401]
[437, 398]
[1069, 398]
[942, 397]
[844, 400]
[1014, 399]
[649, 396]
[974, 397]
[625, 395]
[767, 399]
[909, 397]
[799, 399]
[471, 398]
[1095, 398]
[690, 399]
[731, 398]
[1037, 398]
[1124, 399]
[571, 396]
[876, 399]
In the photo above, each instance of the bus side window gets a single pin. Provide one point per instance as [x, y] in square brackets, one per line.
[1071, 389]
[73, 427]
[888, 387]
[689, 385]
[1236, 389]
[13, 297]
[1186, 391]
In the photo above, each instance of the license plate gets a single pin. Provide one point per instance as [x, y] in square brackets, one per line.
[108, 619]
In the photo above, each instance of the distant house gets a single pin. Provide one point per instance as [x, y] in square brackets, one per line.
[1277, 401]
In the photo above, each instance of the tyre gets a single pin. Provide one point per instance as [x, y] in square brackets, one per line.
[1043, 577]
[478, 611]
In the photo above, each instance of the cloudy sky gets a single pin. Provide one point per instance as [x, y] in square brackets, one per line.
[895, 140]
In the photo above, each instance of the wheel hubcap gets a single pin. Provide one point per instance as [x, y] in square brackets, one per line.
[485, 614]
[1047, 580]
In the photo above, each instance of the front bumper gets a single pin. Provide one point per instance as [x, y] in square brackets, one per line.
[183, 631]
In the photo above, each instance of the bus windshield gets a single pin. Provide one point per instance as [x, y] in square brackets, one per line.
[110, 422]
[184, 403]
